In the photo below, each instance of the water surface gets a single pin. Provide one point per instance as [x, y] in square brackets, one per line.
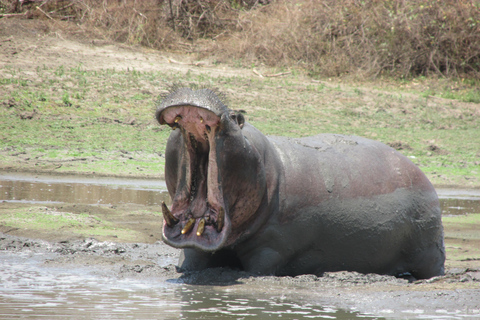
[31, 290]
[112, 191]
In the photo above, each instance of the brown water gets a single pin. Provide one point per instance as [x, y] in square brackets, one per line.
[112, 191]
[30, 290]
[85, 190]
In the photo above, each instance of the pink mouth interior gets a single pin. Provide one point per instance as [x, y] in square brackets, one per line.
[202, 198]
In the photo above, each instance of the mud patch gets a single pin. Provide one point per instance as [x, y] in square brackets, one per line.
[148, 270]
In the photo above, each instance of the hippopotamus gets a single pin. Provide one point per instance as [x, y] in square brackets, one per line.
[291, 206]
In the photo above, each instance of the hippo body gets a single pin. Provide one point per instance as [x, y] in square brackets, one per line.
[284, 206]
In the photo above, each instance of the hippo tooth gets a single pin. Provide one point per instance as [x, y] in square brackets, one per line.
[178, 118]
[188, 226]
[201, 227]
[220, 219]
[168, 216]
[201, 120]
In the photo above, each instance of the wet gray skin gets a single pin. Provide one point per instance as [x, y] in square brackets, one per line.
[282, 206]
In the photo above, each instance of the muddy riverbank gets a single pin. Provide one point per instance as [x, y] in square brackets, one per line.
[150, 266]
[113, 249]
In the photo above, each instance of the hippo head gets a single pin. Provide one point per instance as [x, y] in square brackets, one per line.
[214, 174]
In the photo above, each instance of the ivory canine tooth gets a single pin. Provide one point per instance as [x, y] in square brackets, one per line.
[201, 120]
[178, 118]
[168, 216]
[201, 227]
[188, 226]
[220, 219]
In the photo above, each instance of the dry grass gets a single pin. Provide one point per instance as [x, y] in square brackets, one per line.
[327, 38]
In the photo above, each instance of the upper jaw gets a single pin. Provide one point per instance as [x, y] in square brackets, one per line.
[204, 99]
[198, 217]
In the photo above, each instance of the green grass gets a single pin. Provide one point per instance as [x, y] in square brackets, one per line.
[39, 218]
[43, 218]
[80, 113]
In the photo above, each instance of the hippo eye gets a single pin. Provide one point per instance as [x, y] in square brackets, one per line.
[237, 118]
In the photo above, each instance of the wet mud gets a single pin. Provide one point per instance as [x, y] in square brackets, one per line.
[139, 267]
[116, 266]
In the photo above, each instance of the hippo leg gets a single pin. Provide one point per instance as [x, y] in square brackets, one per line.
[430, 262]
[264, 260]
[196, 260]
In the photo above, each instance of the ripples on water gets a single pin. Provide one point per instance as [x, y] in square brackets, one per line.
[31, 290]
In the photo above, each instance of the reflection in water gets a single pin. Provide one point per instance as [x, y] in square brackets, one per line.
[113, 191]
[204, 302]
[30, 290]
[107, 191]
[456, 201]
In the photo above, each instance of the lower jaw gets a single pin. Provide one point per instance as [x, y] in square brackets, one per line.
[207, 247]
[210, 240]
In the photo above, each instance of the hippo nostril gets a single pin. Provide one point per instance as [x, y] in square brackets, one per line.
[207, 127]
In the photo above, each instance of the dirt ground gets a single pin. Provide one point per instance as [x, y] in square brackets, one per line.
[457, 292]
[27, 44]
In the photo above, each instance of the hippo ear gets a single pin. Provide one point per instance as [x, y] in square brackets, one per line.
[240, 120]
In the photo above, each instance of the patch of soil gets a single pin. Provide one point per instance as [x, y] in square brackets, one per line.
[399, 145]
[388, 296]
[436, 149]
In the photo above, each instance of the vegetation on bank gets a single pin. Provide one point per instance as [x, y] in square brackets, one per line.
[325, 37]
[79, 120]
[421, 59]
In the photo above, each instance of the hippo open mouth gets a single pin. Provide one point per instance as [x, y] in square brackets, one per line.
[198, 216]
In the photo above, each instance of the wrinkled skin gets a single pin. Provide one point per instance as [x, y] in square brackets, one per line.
[292, 206]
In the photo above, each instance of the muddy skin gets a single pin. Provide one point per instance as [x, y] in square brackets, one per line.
[285, 206]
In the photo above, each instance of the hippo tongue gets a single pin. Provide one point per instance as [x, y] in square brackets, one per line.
[197, 218]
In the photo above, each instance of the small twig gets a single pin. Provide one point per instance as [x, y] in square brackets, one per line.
[46, 14]
[141, 14]
[278, 74]
[257, 73]
[62, 8]
[67, 160]
[197, 64]
[9, 15]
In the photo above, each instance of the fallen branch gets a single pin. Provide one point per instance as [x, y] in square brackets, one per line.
[9, 15]
[278, 74]
[270, 75]
[46, 14]
[257, 73]
[198, 63]
[67, 160]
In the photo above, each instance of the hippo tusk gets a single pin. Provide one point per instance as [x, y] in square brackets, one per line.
[220, 219]
[168, 216]
[188, 226]
[201, 120]
[177, 119]
[201, 227]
